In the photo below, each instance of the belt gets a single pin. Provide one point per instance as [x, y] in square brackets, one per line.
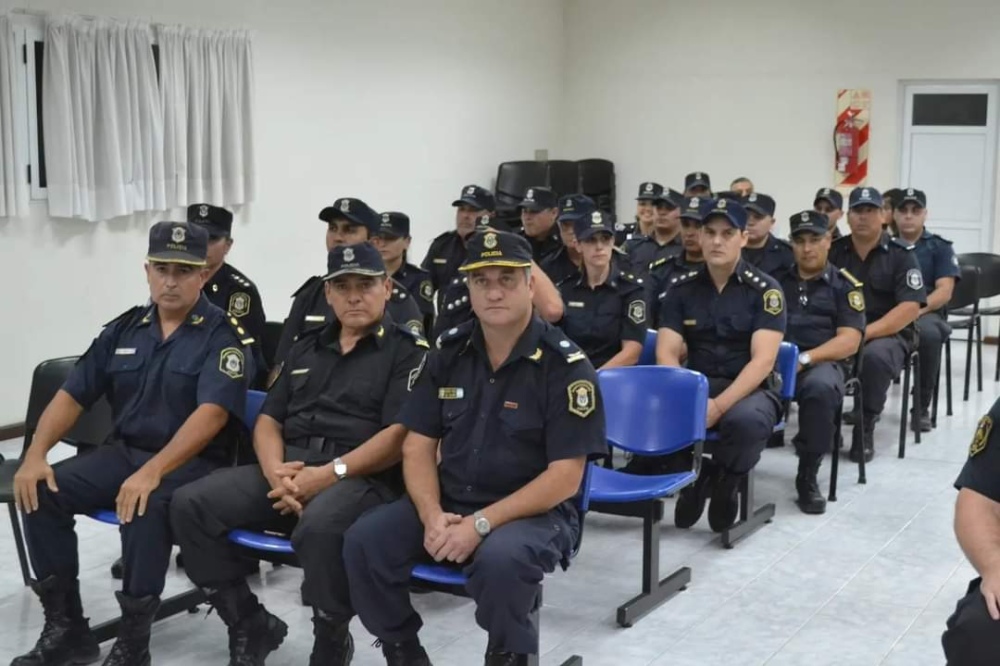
[316, 444]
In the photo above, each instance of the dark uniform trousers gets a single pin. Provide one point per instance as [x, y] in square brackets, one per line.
[745, 428]
[89, 482]
[933, 331]
[504, 577]
[972, 638]
[819, 391]
[203, 513]
[883, 361]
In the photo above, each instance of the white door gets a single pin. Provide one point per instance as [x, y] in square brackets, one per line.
[949, 152]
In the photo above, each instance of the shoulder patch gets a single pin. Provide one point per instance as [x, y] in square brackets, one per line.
[982, 436]
[774, 301]
[305, 285]
[232, 362]
[427, 290]
[914, 279]
[128, 315]
[856, 299]
[239, 304]
[456, 334]
[855, 282]
[414, 334]
[637, 311]
[241, 333]
[582, 398]
[568, 349]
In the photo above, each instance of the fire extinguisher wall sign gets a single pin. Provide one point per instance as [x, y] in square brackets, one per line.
[850, 137]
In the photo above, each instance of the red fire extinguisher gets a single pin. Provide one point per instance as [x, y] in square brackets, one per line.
[847, 143]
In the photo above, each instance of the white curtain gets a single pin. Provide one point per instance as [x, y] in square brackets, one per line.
[102, 118]
[13, 166]
[207, 96]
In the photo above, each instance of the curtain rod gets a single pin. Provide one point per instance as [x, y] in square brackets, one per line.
[88, 17]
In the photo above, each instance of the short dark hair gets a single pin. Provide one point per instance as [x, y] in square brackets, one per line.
[740, 180]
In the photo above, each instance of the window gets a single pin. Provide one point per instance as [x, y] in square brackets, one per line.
[951, 110]
[32, 45]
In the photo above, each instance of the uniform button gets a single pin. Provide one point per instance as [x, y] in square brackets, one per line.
[468, 489]
[493, 381]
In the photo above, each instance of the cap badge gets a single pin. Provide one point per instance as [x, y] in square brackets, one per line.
[697, 176]
[826, 191]
[203, 210]
[349, 254]
[490, 241]
[385, 218]
[752, 197]
[596, 219]
[345, 206]
[804, 217]
[530, 195]
[695, 202]
[865, 194]
[721, 204]
[470, 190]
[909, 192]
[649, 187]
[178, 235]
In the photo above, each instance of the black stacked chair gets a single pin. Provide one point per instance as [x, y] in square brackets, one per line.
[989, 286]
[965, 298]
[563, 176]
[272, 335]
[597, 181]
[513, 180]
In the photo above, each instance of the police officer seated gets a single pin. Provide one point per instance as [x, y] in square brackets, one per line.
[889, 199]
[763, 249]
[743, 186]
[971, 638]
[731, 317]
[645, 214]
[894, 293]
[566, 263]
[228, 288]
[940, 270]
[447, 250]
[174, 373]
[539, 210]
[698, 184]
[826, 316]
[512, 406]
[456, 306]
[393, 243]
[664, 239]
[349, 222]
[328, 448]
[605, 306]
[830, 202]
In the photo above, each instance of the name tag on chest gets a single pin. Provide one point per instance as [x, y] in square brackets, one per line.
[451, 393]
[125, 351]
[576, 304]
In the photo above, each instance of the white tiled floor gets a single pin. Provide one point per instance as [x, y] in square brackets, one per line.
[870, 582]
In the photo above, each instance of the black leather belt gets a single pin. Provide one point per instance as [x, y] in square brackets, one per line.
[316, 444]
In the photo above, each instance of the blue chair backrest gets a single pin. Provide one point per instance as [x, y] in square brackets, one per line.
[255, 400]
[653, 409]
[787, 366]
[648, 355]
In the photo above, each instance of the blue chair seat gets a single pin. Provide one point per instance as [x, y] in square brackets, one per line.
[439, 574]
[105, 516]
[267, 543]
[614, 487]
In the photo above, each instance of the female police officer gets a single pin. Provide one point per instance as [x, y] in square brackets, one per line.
[605, 307]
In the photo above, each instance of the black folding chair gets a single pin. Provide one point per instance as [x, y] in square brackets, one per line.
[989, 286]
[513, 180]
[965, 298]
[852, 389]
[563, 176]
[910, 367]
[597, 181]
[91, 430]
[272, 335]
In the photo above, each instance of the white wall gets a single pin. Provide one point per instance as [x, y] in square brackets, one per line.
[398, 102]
[664, 87]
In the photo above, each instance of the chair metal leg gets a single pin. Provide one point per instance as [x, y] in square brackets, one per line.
[835, 461]
[947, 377]
[654, 591]
[179, 603]
[857, 434]
[934, 400]
[751, 519]
[917, 387]
[979, 353]
[968, 364]
[22, 555]
[903, 418]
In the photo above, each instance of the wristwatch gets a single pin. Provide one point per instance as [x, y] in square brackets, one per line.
[340, 469]
[804, 359]
[482, 524]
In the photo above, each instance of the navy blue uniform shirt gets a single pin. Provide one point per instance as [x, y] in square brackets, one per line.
[499, 430]
[234, 293]
[445, 255]
[717, 327]
[545, 248]
[661, 272]
[819, 306]
[890, 273]
[154, 385]
[600, 319]
[417, 282]
[644, 251]
[981, 472]
[774, 256]
[937, 259]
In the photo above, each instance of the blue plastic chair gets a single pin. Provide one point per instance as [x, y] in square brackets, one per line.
[653, 411]
[255, 400]
[749, 522]
[648, 355]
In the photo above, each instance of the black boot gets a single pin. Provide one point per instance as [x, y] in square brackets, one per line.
[333, 644]
[920, 420]
[691, 501]
[66, 637]
[810, 499]
[131, 648]
[253, 632]
[118, 569]
[410, 653]
[506, 659]
[724, 505]
[868, 440]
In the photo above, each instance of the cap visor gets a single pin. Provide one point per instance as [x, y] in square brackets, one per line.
[757, 209]
[532, 206]
[503, 263]
[691, 216]
[646, 197]
[829, 200]
[212, 229]
[353, 271]
[467, 202]
[330, 214]
[175, 257]
[715, 215]
[911, 200]
[809, 228]
[590, 233]
[859, 204]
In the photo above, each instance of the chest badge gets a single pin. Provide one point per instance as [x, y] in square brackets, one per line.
[239, 304]
[637, 311]
[231, 362]
[982, 436]
[451, 393]
[856, 300]
[582, 398]
[773, 301]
